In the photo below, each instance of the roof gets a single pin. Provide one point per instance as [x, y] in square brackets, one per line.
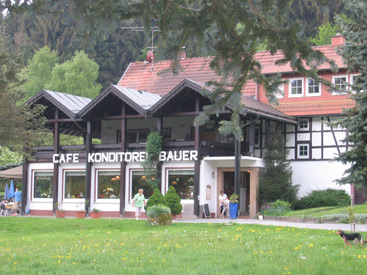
[69, 104]
[12, 173]
[158, 77]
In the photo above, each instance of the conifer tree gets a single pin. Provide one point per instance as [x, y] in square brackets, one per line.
[355, 55]
[276, 178]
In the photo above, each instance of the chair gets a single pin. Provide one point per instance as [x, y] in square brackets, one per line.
[3, 210]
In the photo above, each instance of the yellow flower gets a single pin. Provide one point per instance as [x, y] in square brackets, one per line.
[310, 245]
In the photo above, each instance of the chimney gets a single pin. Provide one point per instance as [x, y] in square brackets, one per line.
[337, 40]
[182, 53]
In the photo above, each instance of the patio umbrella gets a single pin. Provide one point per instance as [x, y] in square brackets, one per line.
[6, 194]
[11, 190]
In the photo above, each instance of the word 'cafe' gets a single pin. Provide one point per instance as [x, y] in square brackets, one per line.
[186, 155]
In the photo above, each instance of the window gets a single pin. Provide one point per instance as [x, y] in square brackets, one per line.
[108, 184]
[280, 91]
[183, 181]
[313, 87]
[167, 135]
[137, 136]
[303, 151]
[74, 184]
[354, 81]
[139, 181]
[303, 125]
[257, 136]
[43, 184]
[340, 85]
[296, 87]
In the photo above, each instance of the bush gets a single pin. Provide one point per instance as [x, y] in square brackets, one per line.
[278, 208]
[156, 199]
[320, 198]
[173, 201]
[159, 214]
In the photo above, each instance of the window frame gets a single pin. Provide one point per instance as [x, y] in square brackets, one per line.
[303, 129]
[280, 91]
[334, 92]
[299, 150]
[168, 169]
[307, 88]
[104, 200]
[131, 195]
[33, 185]
[290, 95]
[351, 76]
[64, 197]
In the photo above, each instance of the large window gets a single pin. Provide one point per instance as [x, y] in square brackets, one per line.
[74, 185]
[296, 87]
[139, 181]
[43, 184]
[313, 87]
[108, 184]
[137, 136]
[340, 83]
[183, 181]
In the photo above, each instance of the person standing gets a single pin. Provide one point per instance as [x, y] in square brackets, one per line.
[18, 199]
[222, 200]
[138, 201]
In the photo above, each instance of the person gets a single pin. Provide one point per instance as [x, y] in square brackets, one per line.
[223, 204]
[138, 201]
[18, 199]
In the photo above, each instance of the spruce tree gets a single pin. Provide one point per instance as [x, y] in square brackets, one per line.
[173, 201]
[276, 178]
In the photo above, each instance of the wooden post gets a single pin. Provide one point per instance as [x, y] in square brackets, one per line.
[25, 183]
[123, 163]
[197, 162]
[56, 144]
[88, 167]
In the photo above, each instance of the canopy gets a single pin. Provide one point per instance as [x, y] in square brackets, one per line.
[13, 173]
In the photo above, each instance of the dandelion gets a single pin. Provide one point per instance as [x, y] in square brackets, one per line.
[310, 245]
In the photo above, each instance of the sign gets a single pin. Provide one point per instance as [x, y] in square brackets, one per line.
[185, 155]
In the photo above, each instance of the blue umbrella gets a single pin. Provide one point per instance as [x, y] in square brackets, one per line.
[6, 194]
[11, 191]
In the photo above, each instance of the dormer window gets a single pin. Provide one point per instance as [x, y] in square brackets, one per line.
[296, 87]
[340, 83]
[313, 87]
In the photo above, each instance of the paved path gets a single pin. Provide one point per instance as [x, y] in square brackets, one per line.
[325, 226]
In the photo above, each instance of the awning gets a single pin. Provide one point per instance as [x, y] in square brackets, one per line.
[12, 173]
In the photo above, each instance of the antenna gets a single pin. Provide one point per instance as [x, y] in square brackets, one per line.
[142, 29]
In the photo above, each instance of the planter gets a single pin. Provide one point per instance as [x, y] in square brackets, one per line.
[233, 210]
[80, 214]
[95, 215]
[60, 214]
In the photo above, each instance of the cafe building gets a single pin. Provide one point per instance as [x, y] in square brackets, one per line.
[196, 160]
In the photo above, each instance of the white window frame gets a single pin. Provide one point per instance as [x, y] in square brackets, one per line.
[97, 184]
[299, 150]
[346, 84]
[33, 185]
[351, 81]
[307, 88]
[290, 87]
[280, 92]
[302, 120]
[64, 197]
[180, 169]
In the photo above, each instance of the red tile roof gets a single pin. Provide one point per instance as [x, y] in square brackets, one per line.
[158, 78]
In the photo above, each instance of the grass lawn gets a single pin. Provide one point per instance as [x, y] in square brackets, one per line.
[320, 211]
[115, 246]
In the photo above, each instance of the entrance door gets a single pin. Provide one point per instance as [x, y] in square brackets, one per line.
[228, 187]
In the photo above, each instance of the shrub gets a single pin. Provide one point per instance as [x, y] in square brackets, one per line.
[159, 214]
[320, 198]
[156, 199]
[278, 208]
[344, 218]
[173, 201]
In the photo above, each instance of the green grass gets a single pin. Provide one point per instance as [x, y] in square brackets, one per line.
[115, 246]
[320, 211]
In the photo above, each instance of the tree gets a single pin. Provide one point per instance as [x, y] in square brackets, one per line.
[38, 72]
[355, 55]
[276, 179]
[156, 199]
[326, 31]
[20, 124]
[173, 201]
[264, 21]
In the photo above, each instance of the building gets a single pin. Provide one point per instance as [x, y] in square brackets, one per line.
[198, 161]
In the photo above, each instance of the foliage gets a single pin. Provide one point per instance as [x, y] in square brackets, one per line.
[276, 178]
[278, 208]
[159, 214]
[96, 210]
[326, 31]
[20, 124]
[7, 156]
[327, 197]
[345, 218]
[354, 54]
[234, 198]
[156, 199]
[173, 201]
[38, 72]
[351, 216]
[151, 163]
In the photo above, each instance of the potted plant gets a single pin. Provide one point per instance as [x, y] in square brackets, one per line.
[60, 213]
[173, 201]
[95, 214]
[80, 213]
[233, 206]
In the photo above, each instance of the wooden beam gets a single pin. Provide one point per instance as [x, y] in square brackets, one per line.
[197, 162]
[123, 163]
[56, 150]
[119, 117]
[88, 167]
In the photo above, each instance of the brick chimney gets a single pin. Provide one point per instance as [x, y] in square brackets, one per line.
[337, 40]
